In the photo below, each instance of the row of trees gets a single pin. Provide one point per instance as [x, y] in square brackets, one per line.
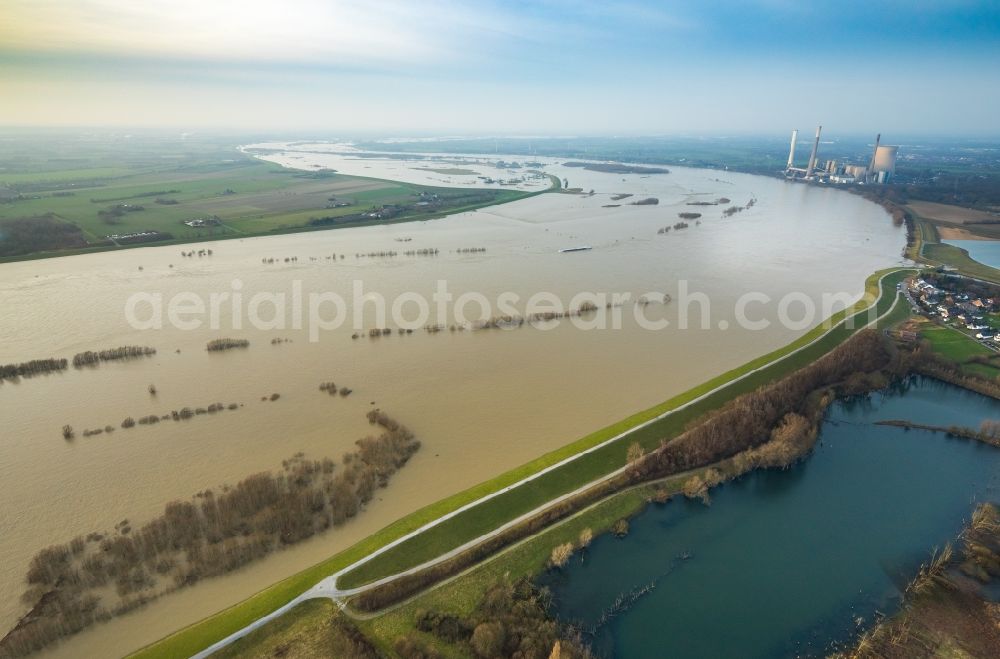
[151, 419]
[748, 420]
[504, 321]
[212, 534]
[40, 366]
[91, 358]
[512, 619]
[218, 345]
[744, 423]
[31, 368]
[40, 233]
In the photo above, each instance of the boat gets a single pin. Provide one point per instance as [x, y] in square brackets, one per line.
[582, 248]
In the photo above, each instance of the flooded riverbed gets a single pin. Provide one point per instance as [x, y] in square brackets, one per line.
[481, 402]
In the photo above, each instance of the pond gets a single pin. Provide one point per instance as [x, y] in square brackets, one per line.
[790, 563]
[986, 252]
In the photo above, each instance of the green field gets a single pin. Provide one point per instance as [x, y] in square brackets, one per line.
[115, 193]
[960, 348]
[523, 498]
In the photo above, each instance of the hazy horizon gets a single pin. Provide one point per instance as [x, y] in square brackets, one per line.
[548, 68]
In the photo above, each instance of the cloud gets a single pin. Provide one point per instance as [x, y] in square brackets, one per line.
[345, 32]
[290, 30]
[524, 63]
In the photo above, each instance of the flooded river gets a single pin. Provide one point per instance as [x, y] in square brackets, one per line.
[480, 401]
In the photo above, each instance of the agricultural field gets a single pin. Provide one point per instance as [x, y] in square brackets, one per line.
[52, 202]
[951, 214]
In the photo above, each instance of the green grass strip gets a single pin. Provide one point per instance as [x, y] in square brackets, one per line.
[526, 497]
[500, 509]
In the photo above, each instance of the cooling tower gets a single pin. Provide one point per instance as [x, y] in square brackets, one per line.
[885, 159]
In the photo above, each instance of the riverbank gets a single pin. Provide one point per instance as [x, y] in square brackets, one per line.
[928, 248]
[197, 203]
[552, 378]
[601, 449]
[461, 596]
[880, 293]
[947, 610]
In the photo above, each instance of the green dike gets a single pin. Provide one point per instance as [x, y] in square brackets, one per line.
[930, 249]
[946, 254]
[489, 515]
[200, 635]
[525, 559]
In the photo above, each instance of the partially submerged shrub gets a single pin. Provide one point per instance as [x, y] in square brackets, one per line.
[561, 554]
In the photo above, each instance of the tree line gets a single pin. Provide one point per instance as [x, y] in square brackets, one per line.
[91, 358]
[212, 534]
[747, 421]
[513, 619]
[31, 368]
[40, 233]
[218, 345]
[862, 363]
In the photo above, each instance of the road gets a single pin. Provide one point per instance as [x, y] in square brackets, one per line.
[327, 588]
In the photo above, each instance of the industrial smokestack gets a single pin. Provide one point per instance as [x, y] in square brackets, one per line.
[871, 164]
[791, 150]
[812, 157]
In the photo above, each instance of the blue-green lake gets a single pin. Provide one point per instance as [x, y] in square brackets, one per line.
[986, 252]
[791, 563]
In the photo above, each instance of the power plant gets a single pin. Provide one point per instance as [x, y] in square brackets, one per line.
[880, 169]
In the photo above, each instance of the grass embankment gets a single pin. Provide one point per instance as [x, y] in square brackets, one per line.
[503, 508]
[202, 634]
[525, 559]
[315, 628]
[930, 249]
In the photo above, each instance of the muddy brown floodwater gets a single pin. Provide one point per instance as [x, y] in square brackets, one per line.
[481, 402]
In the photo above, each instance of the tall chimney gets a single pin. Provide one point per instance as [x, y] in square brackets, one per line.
[812, 157]
[791, 149]
[871, 165]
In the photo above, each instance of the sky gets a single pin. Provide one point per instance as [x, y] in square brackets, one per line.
[509, 67]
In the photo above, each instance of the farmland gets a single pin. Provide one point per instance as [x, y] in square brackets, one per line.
[204, 192]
